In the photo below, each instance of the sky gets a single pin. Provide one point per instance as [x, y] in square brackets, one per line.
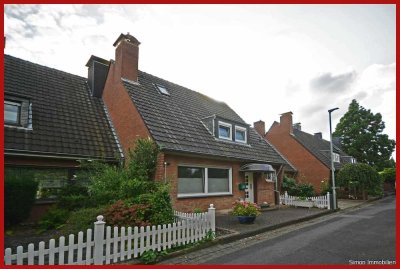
[262, 60]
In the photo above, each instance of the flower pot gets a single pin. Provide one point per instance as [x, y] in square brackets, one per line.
[246, 219]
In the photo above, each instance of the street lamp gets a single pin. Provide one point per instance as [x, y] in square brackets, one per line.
[332, 167]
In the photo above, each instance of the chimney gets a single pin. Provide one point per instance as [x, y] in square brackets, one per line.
[97, 75]
[318, 135]
[260, 127]
[127, 56]
[297, 126]
[286, 122]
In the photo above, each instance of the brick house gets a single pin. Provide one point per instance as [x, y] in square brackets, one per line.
[207, 149]
[51, 121]
[309, 153]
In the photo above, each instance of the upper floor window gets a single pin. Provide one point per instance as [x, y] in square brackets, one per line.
[336, 158]
[12, 113]
[240, 134]
[224, 130]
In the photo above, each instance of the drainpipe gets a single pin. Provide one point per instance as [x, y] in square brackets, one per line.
[277, 193]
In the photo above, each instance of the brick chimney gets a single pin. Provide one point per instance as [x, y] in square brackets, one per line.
[260, 127]
[286, 122]
[127, 56]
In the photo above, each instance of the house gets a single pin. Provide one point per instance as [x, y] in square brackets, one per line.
[208, 153]
[51, 120]
[309, 153]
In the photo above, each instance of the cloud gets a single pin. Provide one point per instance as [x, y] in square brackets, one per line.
[332, 83]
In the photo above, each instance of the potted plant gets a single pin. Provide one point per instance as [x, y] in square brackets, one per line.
[246, 212]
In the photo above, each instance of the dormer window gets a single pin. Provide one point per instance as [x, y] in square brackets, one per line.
[240, 134]
[336, 158]
[224, 130]
[12, 113]
[162, 89]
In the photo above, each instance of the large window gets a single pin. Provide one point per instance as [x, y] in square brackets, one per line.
[12, 112]
[240, 134]
[203, 181]
[224, 130]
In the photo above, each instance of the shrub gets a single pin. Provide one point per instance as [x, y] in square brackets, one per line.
[123, 214]
[143, 159]
[74, 196]
[82, 219]
[19, 195]
[244, 208]
[54, 218]
[160, 206]
[305, 190]
[297, 189]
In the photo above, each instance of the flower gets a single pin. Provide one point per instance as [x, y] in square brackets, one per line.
[244, 208]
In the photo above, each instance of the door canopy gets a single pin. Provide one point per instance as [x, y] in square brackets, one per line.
[257, 167]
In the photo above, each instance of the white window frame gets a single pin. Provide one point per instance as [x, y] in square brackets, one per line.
[17, 104]
[228, 125]
[243, 129]
[206, 193]
[336, 157]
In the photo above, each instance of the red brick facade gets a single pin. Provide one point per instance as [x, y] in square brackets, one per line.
[310, 169]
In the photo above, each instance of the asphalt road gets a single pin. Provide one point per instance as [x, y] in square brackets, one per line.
[359, 236]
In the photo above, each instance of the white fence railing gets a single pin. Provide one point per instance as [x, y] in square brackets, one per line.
[106, 245]
[317, 201]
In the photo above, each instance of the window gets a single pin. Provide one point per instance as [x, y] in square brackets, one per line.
[240, 134]
[162, 89]
[12, 112]
[203, 181]
[270, 177]
[224, 130]
[336, 158]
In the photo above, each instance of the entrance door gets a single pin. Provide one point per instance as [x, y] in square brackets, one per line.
[249, 192]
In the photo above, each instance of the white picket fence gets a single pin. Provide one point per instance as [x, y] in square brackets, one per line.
[120, 245]
[317, 201]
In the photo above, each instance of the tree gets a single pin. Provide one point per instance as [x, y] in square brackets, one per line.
[360, 133]
[362, 176]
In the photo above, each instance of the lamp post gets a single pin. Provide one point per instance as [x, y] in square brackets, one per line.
[332, 166]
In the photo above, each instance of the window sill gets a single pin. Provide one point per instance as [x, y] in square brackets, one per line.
[203, 195]
[17, 127]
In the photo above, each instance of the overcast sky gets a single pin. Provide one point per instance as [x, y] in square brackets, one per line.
[262, 60]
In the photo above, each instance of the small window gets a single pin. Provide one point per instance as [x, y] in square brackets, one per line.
[12, 113]
[336, 158]
[240, 134]
[162, 89]
[225, 130]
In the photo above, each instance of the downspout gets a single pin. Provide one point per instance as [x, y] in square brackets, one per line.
[276, 191]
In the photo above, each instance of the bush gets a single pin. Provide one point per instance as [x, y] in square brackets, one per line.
[160, 206]
[74, 196]
[297, 189]
[19, 195]
[82, 219]
[54, 218]
[124, 214]
[143, 160]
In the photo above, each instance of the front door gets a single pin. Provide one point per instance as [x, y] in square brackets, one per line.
[249, 192]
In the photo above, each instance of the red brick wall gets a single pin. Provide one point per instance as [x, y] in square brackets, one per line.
[124, 115]
[310, 169]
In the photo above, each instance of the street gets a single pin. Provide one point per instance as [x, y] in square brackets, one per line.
[358, 237]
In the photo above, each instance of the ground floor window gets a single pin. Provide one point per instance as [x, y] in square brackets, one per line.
[204, 181]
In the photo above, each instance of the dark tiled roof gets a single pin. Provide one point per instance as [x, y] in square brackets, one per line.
[67, 120]
[174, 122]
[320, 148]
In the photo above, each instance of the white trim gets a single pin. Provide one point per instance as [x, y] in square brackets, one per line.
[206, 193]
[225, 124]
[245, 134]
[336, 157]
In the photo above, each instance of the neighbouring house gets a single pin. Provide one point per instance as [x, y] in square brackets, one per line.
[208, 153]
[51, 121]
[309, 153]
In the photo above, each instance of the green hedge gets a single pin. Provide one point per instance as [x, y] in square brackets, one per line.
[19, 195]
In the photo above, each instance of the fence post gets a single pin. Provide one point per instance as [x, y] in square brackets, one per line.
[98, 240]
[286, 198]
[329, 200]
[211, 214]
